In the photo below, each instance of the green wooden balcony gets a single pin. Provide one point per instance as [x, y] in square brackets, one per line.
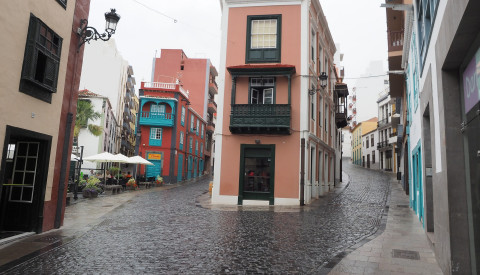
[157, 119]
[260, 119]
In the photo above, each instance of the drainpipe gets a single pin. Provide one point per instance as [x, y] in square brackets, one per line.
[302, 173]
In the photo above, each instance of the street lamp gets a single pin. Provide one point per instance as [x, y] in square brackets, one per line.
[323, 83]
[323, 80]
[88, 33]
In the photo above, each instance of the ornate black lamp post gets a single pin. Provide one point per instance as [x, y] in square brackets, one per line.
[323, 83]
[323, 80]
[88, 33]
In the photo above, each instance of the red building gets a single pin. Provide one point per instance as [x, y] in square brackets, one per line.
[197, 77]
[172, 134]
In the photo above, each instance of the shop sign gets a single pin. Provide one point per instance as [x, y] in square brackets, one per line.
[471, 82]
[155, 156]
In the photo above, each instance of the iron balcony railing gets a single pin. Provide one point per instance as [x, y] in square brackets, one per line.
[157, 119]
[260, 118]
[383, 144]
[383, 122]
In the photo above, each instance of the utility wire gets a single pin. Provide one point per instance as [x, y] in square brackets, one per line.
[174, 19]
[156, 11]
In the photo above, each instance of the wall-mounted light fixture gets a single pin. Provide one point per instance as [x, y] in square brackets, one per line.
[87, 33]
[323, 83]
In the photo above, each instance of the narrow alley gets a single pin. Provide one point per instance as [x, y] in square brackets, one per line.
[172, 231]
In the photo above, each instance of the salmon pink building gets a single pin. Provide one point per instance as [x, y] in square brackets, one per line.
[197, 77]
[172, 134]
[276, 134]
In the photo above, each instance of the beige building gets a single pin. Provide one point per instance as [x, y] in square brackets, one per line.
[41, 68]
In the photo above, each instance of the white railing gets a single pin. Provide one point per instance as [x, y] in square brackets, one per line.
[185, 93]
[165, 86]
[159, 85]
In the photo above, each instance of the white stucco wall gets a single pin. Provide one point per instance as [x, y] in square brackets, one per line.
[347, 143]
[371, 148]
[104, 72]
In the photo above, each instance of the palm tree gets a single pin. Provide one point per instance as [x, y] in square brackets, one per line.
[85, 113]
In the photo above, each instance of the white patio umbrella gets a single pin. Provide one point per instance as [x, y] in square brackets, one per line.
[139, 160]
[120, 158]
[103, 157]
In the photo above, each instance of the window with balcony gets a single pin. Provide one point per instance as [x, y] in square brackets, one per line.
[263, 38]
[41, 61]
[426, 11]
[262, 90]
[157, 108]
[155, 137]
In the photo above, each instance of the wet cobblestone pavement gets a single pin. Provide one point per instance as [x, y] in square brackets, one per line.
[165, 232]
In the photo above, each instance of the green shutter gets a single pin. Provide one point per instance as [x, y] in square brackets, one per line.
[30, 57]
[51, 73]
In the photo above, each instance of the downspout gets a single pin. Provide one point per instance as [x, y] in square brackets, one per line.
[302, 173]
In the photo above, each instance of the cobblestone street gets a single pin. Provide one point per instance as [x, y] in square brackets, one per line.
[168, 231]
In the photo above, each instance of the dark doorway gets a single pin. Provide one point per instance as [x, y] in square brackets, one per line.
[368, 161]
[257, 170]
[24, 173]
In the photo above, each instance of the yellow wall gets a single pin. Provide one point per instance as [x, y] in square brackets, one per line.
[358, 131]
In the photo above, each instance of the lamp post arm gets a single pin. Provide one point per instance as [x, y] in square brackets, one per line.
[88, 33]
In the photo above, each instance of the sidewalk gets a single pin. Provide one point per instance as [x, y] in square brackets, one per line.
[80, 217]
[402, 248]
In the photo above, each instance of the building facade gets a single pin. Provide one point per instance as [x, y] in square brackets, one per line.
[198, 77]
[172, 135]
[106, 142]
[40, 86]
[369, 150]
[357, 132]
[277, 152]
[440, 162]
[347, 142]
[117, 84]
[387, 142]
[128, 132]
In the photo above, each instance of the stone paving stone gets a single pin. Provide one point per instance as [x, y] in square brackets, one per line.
[169, 232]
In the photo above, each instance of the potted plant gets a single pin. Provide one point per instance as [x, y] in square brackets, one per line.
[159, 180]
[92, 188]
[132, 184]
[114, 171]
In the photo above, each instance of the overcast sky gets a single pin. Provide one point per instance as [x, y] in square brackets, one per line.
[146, 26]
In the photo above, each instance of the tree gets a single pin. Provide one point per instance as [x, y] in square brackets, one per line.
[85, 113]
